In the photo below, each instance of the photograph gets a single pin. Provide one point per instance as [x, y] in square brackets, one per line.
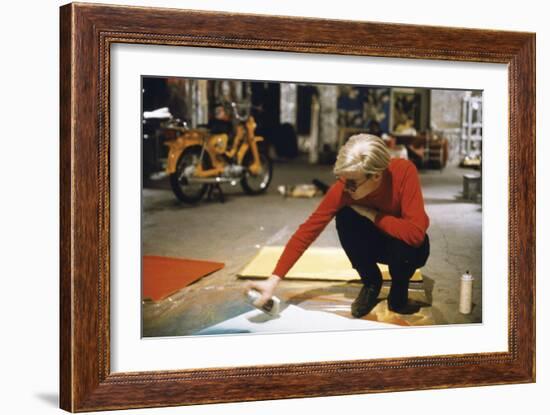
[267, 207]
[294, 207]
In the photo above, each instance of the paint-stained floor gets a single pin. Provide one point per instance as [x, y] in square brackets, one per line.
[233, 231]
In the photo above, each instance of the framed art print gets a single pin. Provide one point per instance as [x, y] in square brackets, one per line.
[201, 159]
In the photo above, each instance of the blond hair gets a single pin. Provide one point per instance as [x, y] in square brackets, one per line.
[364, 153]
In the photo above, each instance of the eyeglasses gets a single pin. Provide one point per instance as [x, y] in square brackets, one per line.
[353, 185]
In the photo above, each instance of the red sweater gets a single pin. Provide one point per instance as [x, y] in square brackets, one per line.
[398, 200]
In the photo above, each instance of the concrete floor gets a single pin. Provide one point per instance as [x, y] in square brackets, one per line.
[233, 231]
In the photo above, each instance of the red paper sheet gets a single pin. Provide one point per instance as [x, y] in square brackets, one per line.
[163, 276]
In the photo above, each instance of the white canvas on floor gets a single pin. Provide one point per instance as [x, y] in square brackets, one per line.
[290, 319]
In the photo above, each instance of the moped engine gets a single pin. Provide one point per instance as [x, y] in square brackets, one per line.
[233, 171]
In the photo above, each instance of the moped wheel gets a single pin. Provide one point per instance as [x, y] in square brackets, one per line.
[188, 160]
[254, 184]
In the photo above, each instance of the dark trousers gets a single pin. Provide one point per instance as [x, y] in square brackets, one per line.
[365, 245]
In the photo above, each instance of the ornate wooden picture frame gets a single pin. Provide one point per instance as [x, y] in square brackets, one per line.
[87, 32]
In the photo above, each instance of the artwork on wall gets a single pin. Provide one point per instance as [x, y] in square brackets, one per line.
[365, 108]
[409, 110]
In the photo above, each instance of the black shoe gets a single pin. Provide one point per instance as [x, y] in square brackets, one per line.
[365, 301]
[406, 308]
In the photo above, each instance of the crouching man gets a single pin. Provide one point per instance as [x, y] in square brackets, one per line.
[380, 218]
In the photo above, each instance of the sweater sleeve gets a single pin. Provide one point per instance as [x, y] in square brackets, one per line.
[411, 226]
[308, 231]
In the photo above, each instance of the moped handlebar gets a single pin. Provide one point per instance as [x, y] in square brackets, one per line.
[236, 113]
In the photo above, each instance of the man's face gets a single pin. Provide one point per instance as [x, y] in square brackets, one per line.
[357, 185]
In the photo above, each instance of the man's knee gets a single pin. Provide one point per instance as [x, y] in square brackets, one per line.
[345, 215]
[346, 219]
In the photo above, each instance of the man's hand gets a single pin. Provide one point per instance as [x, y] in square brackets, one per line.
[265, 288]
[365, 211]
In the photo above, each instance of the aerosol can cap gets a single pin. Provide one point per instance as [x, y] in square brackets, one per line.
[271, 306]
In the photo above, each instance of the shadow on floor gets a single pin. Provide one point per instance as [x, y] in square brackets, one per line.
[429, 284]
[436, 201]
[49, 398]
[338, 298]
[347, 290]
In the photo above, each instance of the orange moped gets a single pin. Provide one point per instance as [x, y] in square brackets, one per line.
[199, 160]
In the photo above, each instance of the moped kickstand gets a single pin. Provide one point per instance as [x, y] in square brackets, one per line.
[215, 187]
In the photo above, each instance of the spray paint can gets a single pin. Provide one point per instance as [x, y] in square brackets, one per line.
[271, 306]
[466, 283]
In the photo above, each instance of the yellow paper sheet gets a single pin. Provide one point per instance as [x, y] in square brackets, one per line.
[327, 264]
